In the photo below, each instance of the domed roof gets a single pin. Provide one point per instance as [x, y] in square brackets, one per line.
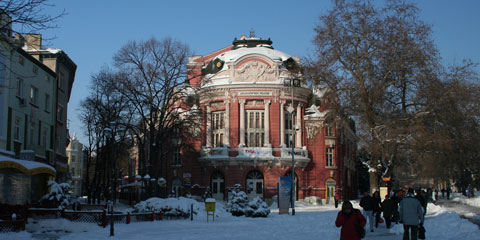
[234, 55]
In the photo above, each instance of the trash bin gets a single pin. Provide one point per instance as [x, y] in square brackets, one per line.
[210, 207]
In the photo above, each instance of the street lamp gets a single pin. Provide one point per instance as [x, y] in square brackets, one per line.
[292, 83]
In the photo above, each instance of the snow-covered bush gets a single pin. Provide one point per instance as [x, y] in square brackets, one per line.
[57, 197]
[171, 207]
[257, 208]
[238, 201]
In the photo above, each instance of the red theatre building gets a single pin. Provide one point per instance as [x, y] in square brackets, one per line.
[257, 106]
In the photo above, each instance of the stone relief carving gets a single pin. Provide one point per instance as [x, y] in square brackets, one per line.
[313, 128]
[254, 71]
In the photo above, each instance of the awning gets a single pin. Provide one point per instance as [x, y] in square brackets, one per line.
[27, 167]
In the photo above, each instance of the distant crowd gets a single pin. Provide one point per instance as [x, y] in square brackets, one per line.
[399, 206]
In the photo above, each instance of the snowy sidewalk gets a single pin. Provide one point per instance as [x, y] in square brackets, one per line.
[309, 222]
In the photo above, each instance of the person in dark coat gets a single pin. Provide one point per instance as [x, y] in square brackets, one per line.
[411, 215]
[389, 208]
[337, 198]
[368, 205]
[419, 196]
[347, 218]
[377, 211]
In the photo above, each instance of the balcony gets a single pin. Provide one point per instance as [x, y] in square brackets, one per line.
[253, 156]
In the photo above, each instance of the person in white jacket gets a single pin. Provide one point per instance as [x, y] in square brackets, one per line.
[411, 215]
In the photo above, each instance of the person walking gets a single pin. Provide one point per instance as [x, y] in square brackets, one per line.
[368, 205]
[423, 201]
[377, 210]
[436, 194]
[411, 215]
[337, 198]
[388, 208]
[449, 191]
[347, 218]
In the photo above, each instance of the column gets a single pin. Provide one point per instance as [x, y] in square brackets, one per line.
[226, 136]
[282, 123]
[267, 123]
[208, 134]
[242, 122]
[298, 140]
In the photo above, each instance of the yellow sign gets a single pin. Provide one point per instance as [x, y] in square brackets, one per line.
[330, 181]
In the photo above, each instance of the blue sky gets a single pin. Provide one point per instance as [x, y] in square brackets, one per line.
[93, 31]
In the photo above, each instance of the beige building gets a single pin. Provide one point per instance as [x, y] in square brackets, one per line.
[59, 62]
[76, 165]
[27, 123]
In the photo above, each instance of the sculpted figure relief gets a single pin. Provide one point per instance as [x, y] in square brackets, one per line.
[254, 71]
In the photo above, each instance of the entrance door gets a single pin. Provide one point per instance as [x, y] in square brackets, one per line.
[330, 194]
[218, 186]
[254, 185]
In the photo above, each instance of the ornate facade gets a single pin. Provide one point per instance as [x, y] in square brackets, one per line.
[257, 108]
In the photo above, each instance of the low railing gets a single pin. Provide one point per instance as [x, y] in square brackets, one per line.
[12, 225]
[101, 218]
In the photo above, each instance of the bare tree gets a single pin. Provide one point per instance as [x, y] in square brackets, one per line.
[28, 15]
[153, 76]
[105, 113]
[376, 60]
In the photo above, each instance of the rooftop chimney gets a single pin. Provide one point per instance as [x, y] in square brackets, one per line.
[34, 41]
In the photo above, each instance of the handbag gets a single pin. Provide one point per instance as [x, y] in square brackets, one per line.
[421, 232]
[360, 229]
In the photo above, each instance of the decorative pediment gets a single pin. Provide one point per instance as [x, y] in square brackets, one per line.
[254, 71]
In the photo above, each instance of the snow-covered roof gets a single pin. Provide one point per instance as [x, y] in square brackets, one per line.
[49, 50]
[25, 166]
[234, 55]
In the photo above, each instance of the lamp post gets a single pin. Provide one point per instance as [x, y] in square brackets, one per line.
[292, 83]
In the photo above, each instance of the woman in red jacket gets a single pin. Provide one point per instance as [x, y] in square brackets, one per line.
[346, 219]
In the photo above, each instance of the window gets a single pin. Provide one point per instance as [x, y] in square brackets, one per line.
[60, 113]
[60, 81]
[73, 172]
[255, 134]
[33, 95]
[74, 159]
[218, 127]
[16, 130]
[329, 131]
[176, 156]
[47, 102]
[329, 158]
[35, 69]
[44, 137]
[290, 122]
[19, 84]
[20, 60]
[32, 133]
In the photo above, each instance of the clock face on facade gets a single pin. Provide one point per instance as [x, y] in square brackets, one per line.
[219, 64]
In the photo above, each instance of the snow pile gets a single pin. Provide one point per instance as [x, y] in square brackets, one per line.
[475, 201]
[173, 207]
[57, 197]
[257, 208]
[178, 207]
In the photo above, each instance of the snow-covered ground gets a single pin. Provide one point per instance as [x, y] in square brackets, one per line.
[475, 201]
[309, 222]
